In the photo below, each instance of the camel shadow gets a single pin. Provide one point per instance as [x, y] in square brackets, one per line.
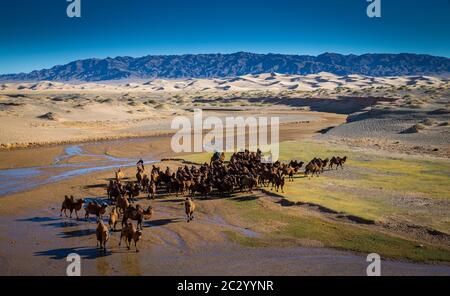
[61, 224]
[100, 185]
[38, 219]
[84, 252]
[77, 233]
[172, 200]
[93, 219]
[54, 222]
[286, 203]
[162, 222]
[245, 198]
[113, 179]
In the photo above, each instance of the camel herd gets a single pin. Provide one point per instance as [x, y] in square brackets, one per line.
[244, 172]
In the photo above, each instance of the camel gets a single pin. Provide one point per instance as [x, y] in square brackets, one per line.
[139, 176]
[72, 205]
[278, 182]
[123, 203]
[137, 213]
[102, 235]
[113, 218]
[145, 182]
[217, 157]
[119, 175]
[151, 189]
[248, 182]
[289, 171]
[132, 190]
[129, 232]
[312, 168]
[203, 188]
[324, 163]
[114, 190]
[338, 161]
[189, 206]
[341, 161]
[95, 209]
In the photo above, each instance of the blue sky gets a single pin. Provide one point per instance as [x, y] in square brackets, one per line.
[37, 34]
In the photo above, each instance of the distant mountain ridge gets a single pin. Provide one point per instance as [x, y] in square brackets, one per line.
[237, 64]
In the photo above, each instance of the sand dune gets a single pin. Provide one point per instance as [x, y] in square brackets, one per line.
[49, 111]
[267, 81]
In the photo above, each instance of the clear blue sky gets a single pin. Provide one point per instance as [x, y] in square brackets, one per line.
[37, 34]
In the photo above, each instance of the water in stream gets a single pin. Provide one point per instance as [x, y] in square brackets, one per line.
[21, 179]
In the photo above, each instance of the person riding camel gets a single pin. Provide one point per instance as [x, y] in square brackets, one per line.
[140, 163]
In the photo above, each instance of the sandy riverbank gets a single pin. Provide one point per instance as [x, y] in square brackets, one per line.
[35, 240]
[40, 123]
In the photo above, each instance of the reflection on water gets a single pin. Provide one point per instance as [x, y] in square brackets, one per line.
[16, 180]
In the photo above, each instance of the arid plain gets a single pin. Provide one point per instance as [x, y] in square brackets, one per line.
[391, 198]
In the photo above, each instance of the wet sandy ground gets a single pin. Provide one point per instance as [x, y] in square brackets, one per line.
[34, 240]
[39, 242]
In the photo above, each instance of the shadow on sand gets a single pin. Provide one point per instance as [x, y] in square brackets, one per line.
[38, 219]
[84, 252]
[54, 222]
[245, 198]
[100, 185]
[162, 222]
[77, 233]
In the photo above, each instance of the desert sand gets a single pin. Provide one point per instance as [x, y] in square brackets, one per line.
[35, 240]
[45, 113]
[60, 138]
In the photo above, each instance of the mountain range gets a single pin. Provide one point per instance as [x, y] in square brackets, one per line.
[237, 64]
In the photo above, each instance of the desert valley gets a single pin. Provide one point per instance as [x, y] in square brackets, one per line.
[391, 196]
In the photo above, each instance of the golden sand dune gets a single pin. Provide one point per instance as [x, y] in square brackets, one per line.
[55, 112]
[267, 81]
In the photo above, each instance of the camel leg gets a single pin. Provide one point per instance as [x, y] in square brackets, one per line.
[135, 245]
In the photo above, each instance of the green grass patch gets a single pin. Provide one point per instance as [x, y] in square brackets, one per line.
[244, 240]
[372, 186]
[331, 234]
[329, 196]
[367, 174]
